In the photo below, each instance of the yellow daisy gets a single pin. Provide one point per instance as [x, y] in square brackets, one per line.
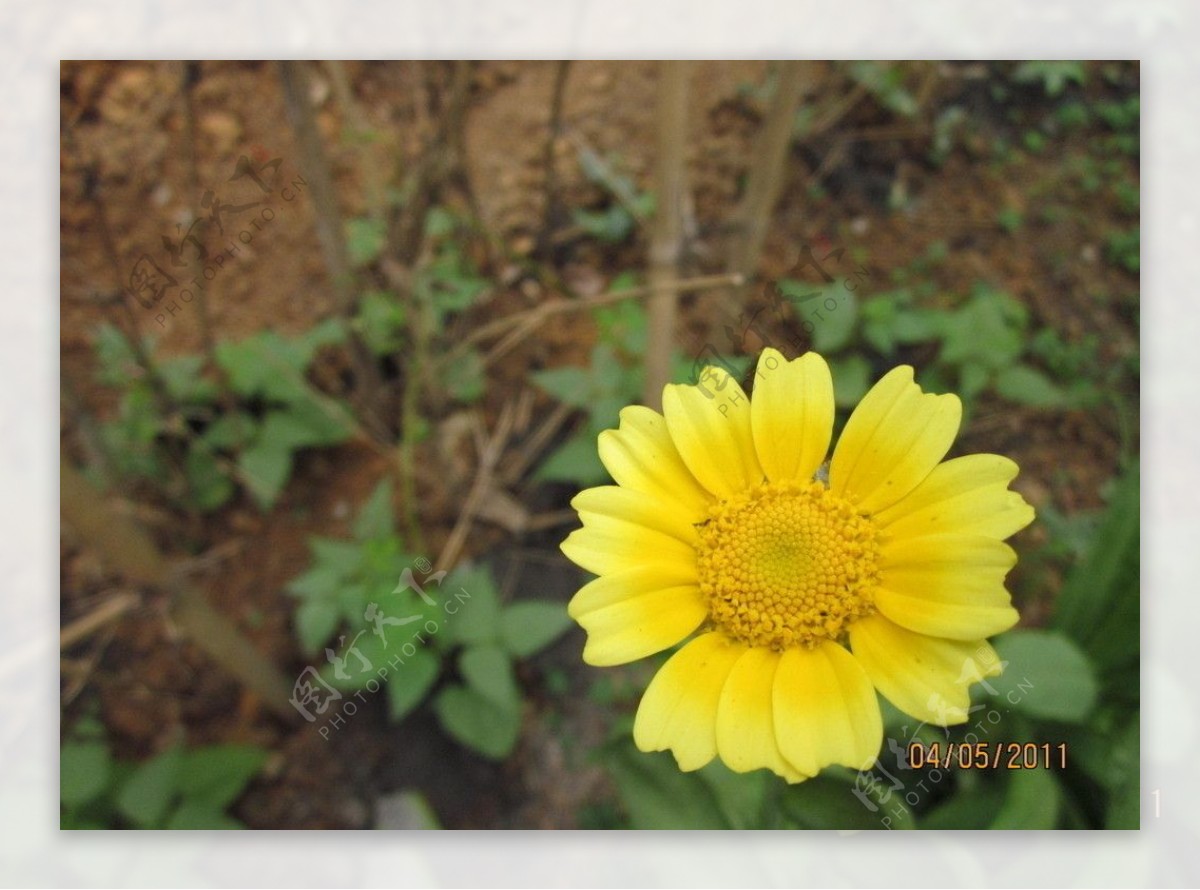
[811, 586]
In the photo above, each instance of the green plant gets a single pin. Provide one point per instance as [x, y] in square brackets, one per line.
[1010, 219]
[364, 590]
[1053, 76]
[181, 788]
[279, 412]
[381, 321]
[885, 81]
[625, 207]
[174, 428]
[612, 380]
[1124, 248]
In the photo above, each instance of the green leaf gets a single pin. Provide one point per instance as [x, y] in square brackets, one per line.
[265, 469]
[84, 769]
[657, 795]
[118, 364]
[917, 325]
[365, 238]
[477, 722]
[375, 518]
[304, 423]
[613, 224]
[356, 671]
[577, 460]
[968, 810]
[973, 379]
[885, 80]
[380, 320]
[1046, 676]
[329, 332]
[623, 325]
[200, 816]
[989, 329]
[528, 627]
[216, 775]
[570, 385]
[439, 222]
[1099, 603]
[466, 379]
[230, 431]
[184, 382]
[263, 365]
[488, 670]
[1053, 75]
[325, 578]
[1125, 800]
[316, 620]
[1032, 802]
[149, 792]
[409, 682]
[347, 556]
[1029, 386]
[851, 380]
[739, 795]
[210, 486]
[448, 284]
[478, 617]
[827, 803]
[833, 328]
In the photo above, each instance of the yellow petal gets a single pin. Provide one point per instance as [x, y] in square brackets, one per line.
[791, 415]
[640, 456]
[679, 710]
[713, 434]
[745, 717]
[947, 585]
[967, 495]
[892, 441]
[606, 544]
[826, 711]
[924, 676]
[642, 625]
[615, 587]
[637, 508]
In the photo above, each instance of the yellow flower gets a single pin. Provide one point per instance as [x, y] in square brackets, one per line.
[809, 595]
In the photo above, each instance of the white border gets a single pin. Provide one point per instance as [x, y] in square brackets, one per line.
[1162, 33]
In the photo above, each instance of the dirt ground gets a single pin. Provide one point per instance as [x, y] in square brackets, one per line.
[130, 171]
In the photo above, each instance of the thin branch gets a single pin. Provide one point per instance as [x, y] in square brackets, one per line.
[766, 169]
[550, 207]
[128, 550]
[294, 78]
[189, 77]
[109, 610]
[668, 228]
[543, 312]
[374, 179]
[489, 456]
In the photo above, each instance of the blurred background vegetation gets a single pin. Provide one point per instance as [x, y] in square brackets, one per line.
[337, 341]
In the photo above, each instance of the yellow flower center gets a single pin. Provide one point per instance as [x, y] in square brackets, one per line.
[787, 564]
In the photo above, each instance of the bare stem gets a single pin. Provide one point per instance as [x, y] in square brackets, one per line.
[668, 228]
[766, 169]
[294, 78]
[550, 207]
[129, 550]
